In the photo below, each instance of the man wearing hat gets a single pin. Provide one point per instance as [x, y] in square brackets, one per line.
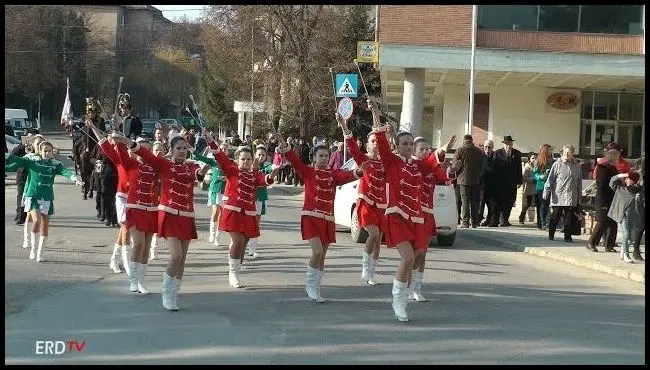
[507, 168]
[131, 125]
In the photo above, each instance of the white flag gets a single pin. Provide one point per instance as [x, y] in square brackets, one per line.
[66, 115]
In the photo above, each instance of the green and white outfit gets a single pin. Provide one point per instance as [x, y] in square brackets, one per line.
[39, 191]
[12, 168]
[262, 193]
[215, 192]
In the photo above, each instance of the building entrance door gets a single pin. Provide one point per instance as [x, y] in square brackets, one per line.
[603, 132]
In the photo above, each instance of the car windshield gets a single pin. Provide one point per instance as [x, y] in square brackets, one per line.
[148, 125]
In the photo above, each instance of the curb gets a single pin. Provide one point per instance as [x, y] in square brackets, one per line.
[634, 276]
[540, 252]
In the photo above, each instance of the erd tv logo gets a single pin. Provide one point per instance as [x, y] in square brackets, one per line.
[59, 347]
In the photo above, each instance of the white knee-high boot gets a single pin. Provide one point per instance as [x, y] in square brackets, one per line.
[152, 247]
[41, 243]
[320, 279]
[372, 267]
[133, 277]
[32, 252]
[167, 292]
[26, 235]
[211, 233]
[252, 248]
[417, 287]
[216, 234]
[234, 265]
[312, 284]
[113, 264]
[400, 300]
[176, 286]
[365, 267]
[142, 273]
[126, 249]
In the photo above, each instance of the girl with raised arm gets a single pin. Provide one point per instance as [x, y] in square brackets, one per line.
[175, 220]
[317, 220]
[371, 201]
[238, 216]
[39, 193]
[405, 228]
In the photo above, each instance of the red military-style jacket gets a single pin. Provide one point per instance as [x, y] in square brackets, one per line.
[403, 180]
[241, 186]
[122, 177]
[143, 180]
[372, 186]
[429, 182]
[320, 187]
[177, 190]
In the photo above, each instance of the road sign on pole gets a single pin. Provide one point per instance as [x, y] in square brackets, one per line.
[347, 85]
[345, 108]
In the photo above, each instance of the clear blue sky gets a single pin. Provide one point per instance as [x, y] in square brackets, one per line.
[173, 12]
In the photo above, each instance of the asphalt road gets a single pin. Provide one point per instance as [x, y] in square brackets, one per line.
[487, 305]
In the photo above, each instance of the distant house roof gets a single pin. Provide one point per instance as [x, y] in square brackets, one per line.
[150, 8]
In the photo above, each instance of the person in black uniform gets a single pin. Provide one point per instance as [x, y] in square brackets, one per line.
[508, 169]
[130, 125]
[108, 187]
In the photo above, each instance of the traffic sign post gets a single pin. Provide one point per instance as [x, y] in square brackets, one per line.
[345, 108]
[347, 85]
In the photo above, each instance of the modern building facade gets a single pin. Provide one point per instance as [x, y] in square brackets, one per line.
[557, 74]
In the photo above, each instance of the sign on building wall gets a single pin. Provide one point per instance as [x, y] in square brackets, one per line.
[562, 101]
[367, 52]
[347, 85]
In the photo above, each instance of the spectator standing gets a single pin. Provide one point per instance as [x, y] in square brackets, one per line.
[336, 159]
[528, 194]
[468, 165]
[564, 188]
[640, 168]
[540, 174]
[605, 226]
[627, 208]
[507, 166]
[489, 183]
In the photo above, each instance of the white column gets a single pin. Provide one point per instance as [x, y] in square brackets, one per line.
[411, 117]
[241, 124]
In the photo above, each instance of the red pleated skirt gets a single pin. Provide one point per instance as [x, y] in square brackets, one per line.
[238, 222]
[145, 221]
[398, 230]
[371, 216]
[176, 226]
[311, 227]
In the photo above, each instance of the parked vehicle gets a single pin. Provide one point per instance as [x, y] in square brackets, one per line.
[149, 126]
[17, 120]
[445, 210]
[169, 123]
[11, 142]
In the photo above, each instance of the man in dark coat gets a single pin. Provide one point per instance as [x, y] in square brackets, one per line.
[508, 169]
[489, 183]
[130, 125]
[469, 167]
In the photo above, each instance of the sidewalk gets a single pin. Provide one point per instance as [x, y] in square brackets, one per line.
[528, 239]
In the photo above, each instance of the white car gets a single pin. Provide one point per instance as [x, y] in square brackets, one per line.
[11, 142]
[445, 210]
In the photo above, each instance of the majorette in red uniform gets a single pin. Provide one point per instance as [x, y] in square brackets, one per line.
[429, 181]
[371, 204]
[176, 208]
[238, 214]
[141, 214]
[123, 237]
[317, 216]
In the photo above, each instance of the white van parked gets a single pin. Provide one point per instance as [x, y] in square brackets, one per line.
[17, 119]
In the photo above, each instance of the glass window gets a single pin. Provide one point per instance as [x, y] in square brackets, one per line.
[587, 104]
[507, 17]
[605, 105]
[631, 107]
[558, 18]
[617, 19]
[585, 137]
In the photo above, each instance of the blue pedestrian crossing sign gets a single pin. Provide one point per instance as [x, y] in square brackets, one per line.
[347, 85]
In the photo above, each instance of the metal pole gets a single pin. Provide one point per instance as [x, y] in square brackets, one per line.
[643, 25]
[470, 120]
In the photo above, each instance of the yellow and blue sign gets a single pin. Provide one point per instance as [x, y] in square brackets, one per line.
[347, 85]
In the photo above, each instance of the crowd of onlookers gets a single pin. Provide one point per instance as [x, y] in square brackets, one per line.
[490, 178]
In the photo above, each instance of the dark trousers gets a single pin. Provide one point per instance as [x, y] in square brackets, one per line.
[526, 202]
[608, 229]
[20, 209]
[470, 198]
[637, 238]
[486, 201]
[565, 213]
[459, 202]
[542, 210]
[504, 200]
[109, 188]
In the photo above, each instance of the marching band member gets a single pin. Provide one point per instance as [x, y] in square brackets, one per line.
[129, 124]
[215, 194]
[121, 246]
[371, 201]
[162, 148]
[405, 229]
[39, 195]
[176, 221]
[429, 181]
[262, 195]
[317, 216]
[238, 213]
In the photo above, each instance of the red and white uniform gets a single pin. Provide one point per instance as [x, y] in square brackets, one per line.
[238, 210]
[404, 216]
[429, 182]
[371, 202]
[122, 179]
[176, 209]
[317, 216]
[142, 200]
